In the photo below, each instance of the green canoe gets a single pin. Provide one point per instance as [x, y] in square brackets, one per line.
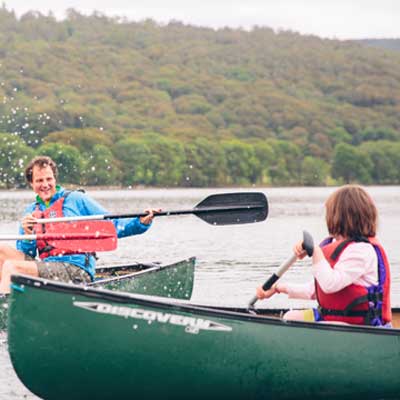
[166, 280]
[67, 342]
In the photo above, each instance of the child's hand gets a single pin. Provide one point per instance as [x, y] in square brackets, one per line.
[265, 294]
[299, 251]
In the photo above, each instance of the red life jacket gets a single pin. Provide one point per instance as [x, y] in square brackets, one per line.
[357, 304]
[54, 211]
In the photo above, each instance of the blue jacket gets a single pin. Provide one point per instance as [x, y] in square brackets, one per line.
[78, 203]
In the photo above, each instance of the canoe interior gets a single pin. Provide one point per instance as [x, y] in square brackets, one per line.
[279, 312]
[114, 271]
[173, 280]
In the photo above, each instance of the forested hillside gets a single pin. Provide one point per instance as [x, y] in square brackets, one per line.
[139, 103]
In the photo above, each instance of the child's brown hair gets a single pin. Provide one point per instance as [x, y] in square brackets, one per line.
[351, 213]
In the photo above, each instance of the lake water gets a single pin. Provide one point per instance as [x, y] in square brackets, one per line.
[231, 260]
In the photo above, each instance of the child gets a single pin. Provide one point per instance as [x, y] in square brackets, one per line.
[350, 268]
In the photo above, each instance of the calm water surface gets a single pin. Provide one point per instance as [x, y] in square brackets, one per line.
[231, 260]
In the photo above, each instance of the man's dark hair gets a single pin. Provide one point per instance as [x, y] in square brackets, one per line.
[41, 162]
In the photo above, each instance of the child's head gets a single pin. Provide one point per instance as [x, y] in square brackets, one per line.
[350, 213]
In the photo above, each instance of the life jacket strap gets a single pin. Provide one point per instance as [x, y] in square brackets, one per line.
[342, 313]
[342, 245]
[47, 249]
[374, 298]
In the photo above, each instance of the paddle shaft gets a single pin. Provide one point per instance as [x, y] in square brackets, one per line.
[205, 210]
[308, 246]
[275, 276]
[216, 209]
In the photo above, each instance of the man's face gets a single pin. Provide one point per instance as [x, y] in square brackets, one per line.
[43, 182]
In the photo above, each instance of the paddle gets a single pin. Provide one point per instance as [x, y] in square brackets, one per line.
[81, 237]
[217, 209]
[308, 246]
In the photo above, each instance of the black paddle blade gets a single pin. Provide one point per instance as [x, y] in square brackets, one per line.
[308, 243]
[233, 208]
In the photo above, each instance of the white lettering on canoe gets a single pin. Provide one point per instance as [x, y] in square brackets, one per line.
[191, 324]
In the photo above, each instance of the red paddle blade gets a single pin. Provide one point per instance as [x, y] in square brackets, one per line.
[80, 236]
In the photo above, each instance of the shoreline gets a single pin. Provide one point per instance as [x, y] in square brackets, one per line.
[142, 187]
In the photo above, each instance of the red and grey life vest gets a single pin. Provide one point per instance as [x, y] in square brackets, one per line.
[54, 211]
[357, 304]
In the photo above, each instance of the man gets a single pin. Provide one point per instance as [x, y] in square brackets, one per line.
[51, 200]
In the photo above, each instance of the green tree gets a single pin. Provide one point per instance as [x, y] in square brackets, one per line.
[288, 167]
[374, 134]
[167, 160]
[385, 159]
[205, 164]
[243, 167]
[135, 161]
[338, 135]
[314, 171]
[351, 164]
[151, 160]
[101, 167]
[192, 104]
[268, 160]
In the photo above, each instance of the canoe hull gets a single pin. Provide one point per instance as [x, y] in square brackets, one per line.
[108, 345]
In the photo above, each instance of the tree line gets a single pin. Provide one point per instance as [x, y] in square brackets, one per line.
[154, 160]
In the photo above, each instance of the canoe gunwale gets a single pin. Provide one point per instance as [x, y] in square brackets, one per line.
[185, 306]
[148, 269]
[118, 267]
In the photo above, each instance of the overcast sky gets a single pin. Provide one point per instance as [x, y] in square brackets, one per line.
[340, 19]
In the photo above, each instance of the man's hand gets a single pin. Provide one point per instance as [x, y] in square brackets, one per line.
[28, 222]
[147, 219]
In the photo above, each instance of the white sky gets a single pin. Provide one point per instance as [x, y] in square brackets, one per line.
[340, 19]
